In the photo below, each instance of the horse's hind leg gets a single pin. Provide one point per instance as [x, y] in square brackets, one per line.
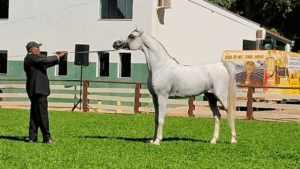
[212, 100]
[224, 101]
[160, 103]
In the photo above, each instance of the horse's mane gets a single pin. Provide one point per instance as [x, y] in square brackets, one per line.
[165, 50]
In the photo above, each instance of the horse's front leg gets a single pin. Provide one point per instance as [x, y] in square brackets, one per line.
[155, 102]
[160, 113]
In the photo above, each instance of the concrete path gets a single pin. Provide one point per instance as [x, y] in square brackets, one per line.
[273, 115]
[204, 112]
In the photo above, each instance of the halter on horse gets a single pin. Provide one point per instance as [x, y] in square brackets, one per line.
[168, 78]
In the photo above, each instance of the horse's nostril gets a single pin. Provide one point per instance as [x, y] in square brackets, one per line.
[117, 43]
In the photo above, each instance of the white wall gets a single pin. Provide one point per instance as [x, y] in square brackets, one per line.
[59, 25]
[196, 32]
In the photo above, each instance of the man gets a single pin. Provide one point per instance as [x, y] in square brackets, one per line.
[37, 88]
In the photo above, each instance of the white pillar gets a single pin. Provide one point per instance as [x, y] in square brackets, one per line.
[288, 47]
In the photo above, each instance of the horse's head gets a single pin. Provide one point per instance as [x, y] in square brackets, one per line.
[133, 42]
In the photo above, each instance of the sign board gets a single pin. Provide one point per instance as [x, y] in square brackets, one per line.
[294, 83]
[294, 63]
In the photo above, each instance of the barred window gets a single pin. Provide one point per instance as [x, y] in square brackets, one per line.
[125, 65]
[3, 61]
[44, 53]
[62, 68]
[4, 9]
[103, 64]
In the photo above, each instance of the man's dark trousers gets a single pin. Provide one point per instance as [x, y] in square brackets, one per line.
[39, 117]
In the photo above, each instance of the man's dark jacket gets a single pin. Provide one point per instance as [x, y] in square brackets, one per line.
[36, 72]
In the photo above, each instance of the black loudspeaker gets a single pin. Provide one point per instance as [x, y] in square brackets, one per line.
[81, 58]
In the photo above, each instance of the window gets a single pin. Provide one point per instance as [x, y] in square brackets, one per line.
[44, 53]
[269, 44]
[116, 9]
[62, 68]
[4, 9]
[103, 66]
[249, 45]
[3, 62]
[281, 72]
[125, 64]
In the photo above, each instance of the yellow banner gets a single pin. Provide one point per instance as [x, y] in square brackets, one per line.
[284, 83]
[294, 83]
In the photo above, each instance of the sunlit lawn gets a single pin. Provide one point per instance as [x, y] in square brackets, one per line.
[122, 141]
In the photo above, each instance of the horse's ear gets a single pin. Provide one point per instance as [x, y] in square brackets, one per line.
[137, 29]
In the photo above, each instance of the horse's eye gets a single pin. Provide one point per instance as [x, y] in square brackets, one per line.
[131, 36]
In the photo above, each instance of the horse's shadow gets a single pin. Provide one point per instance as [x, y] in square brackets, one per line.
[143, 140]
[147, 140]
[16, 138]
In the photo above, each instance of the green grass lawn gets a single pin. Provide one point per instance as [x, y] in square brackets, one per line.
[120, 141]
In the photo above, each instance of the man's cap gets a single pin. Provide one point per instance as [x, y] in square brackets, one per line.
[32, 44]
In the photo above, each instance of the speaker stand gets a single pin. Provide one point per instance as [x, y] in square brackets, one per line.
[80, 93]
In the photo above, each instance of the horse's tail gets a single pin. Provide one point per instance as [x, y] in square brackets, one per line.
[231, 101]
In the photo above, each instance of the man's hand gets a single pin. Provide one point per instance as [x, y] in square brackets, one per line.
[62, 54]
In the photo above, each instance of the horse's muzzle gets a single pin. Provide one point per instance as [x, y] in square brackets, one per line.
[120, 45]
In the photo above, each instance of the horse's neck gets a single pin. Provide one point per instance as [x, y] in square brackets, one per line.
[156, 55]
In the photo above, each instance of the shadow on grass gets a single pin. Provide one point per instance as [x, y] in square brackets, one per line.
[15, 138]
[147, 140]
[144, 140]
[184, 139]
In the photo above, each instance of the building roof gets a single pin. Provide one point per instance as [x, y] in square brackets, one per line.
[273, 35]
[279, 37]
[231, 12]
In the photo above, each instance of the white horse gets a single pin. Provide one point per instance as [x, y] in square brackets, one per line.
[168, 78]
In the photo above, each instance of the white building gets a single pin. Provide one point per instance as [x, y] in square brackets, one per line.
[193, 31]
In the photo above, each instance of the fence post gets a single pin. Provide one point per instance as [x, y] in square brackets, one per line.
[1, 99]
[191, 107]
[138, 87]
[85, 95]
[250, 103]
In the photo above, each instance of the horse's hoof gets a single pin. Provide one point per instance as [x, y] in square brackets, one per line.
[233, 141]
[155, 143]
[213, 142]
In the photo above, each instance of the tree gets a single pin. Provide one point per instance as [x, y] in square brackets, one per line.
[278, 15]
[260, 11]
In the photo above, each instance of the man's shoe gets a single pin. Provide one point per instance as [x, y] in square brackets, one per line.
[49, 142]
